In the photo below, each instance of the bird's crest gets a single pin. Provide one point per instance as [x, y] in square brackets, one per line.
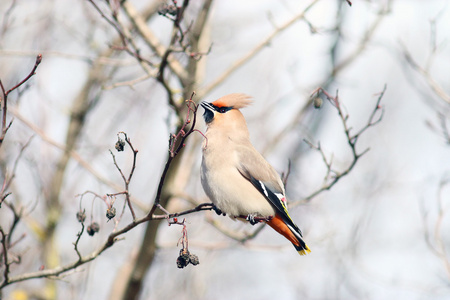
[233, 100]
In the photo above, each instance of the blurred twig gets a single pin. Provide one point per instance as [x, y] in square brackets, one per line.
[239, 237]
[337, 68]
[434, 237]
[333, 175]
[151, 40]
[435, 87]
[252, 53]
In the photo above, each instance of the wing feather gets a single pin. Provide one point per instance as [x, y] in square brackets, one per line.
[267, 181]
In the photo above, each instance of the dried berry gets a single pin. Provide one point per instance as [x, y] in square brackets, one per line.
[93, 228]
[181, 262]
[183, 259]
[111, 212]
[194, 259]
[317, 102]
[120, 144]
[81, 216]
[186, 258]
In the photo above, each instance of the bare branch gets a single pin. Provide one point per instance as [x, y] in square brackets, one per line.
[151, 39]
[5, 94]
[333, 73]
[6, 16]
[363, 43]
[332, 175]
[444, 128]
[239, 237]
[434, 237]
[435, 87]
[130, 83]
[14, 168]
[75, 245]
[176, 143]
[174, 149]
[126, 180]
[74, 154]
[200, 207]
[5, 257]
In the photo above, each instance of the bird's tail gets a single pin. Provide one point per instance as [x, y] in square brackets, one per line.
[291, 232]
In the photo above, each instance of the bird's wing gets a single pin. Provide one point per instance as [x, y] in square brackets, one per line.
[266, 180]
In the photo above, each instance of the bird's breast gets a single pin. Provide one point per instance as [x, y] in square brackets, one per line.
[227, 188]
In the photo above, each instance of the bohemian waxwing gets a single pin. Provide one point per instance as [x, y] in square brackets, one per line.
[236, 177]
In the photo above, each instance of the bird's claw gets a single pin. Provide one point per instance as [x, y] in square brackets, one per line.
[217, 210]
[251, 219]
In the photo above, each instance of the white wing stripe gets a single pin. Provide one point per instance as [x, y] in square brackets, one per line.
[297, 235]
[264, 188]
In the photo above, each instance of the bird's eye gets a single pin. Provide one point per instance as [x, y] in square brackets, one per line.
[223, 110]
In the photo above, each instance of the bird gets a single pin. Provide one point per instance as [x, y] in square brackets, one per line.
[236, 177]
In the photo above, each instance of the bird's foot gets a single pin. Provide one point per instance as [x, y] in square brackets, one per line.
[254, 219]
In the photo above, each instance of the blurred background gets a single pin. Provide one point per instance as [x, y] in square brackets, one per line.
[377, 224]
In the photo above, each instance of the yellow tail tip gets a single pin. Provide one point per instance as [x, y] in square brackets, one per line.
[304, 251]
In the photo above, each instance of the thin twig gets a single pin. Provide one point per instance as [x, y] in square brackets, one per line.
[126, 180]
[75, 244]
[436, 88]
[5, 257]
[176, 143]
[5, 94]
[177, 37]
[200, 207]
[6, 16]
[285, 176]
[333, 73]
[75, 155]
[17, 215]
[444, 128]
[151, 40]
[375, 117]
[241, 238]
[16, 162]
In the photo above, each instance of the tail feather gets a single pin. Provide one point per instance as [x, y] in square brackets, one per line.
[290, 233]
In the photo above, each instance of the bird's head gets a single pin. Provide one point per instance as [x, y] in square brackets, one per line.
[225, 108]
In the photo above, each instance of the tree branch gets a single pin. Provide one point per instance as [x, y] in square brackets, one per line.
[5, 97]
[352, 139]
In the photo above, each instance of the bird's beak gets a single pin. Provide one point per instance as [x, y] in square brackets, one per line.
[208, 115]
[207, 105]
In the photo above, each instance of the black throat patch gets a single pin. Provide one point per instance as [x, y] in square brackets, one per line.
[208, 116]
